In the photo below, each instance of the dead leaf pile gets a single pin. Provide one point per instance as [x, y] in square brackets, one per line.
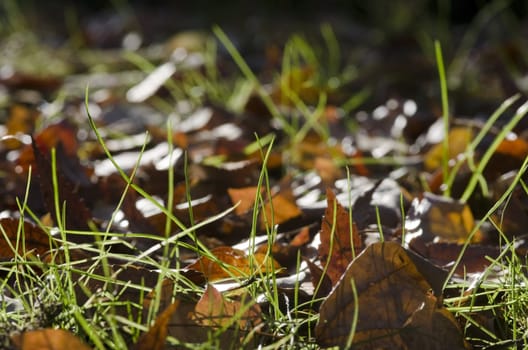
[175, 195]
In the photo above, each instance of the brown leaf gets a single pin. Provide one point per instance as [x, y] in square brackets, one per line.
[60, 133]
[30, 239]
[432, 327]
[214, 310]
[231, 263]
[327, 169]
[48, 339]
[77, 213]
[339, 241]
[321, 282]
[174, 319]
[156, 336]
[393, 301]
[192, 322]
[476, 257]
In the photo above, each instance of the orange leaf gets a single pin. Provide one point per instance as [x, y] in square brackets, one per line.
[230, 263]
[327, 169]
[459, 139]
[48, 339]
[517, 148]
[395, 306]
[339, 241]
[246, 196]
[301, 238]
[278, 211]
[21, 121]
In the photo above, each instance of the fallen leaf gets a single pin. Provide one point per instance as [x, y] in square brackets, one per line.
[458, 140]
[476, 257]
[197, 322]
[432, 327]
[327, 169]
[214, 310]
[174, 314]
[30, 239]
[21, 121]
[77, 215]
[340, 241]
[321, 282]
[279, 210]
[393, 301]
[60, 133]
[246, 196]
[301, 238]
[48, 339]
[230, 263]
[438, 219]
[156, 336]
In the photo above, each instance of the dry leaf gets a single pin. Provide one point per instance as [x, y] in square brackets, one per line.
[393, 299]
[231, 263]
[216, 311]
[196, 322]
[246, 196]
[156, 336]
[21, 121]
[339, 241]
[48, 339]
[178, 310]
[301, 238]
[321, 282]
[432, 327]
[279, 210]
[327, 169]
[31, 238]
[438, 219]
[458, 139]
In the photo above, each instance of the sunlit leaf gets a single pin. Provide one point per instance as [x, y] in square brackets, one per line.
[214, 310]
[279, 210]
[459, 140]
[246, 196]
[231, 263]
[439, 219]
